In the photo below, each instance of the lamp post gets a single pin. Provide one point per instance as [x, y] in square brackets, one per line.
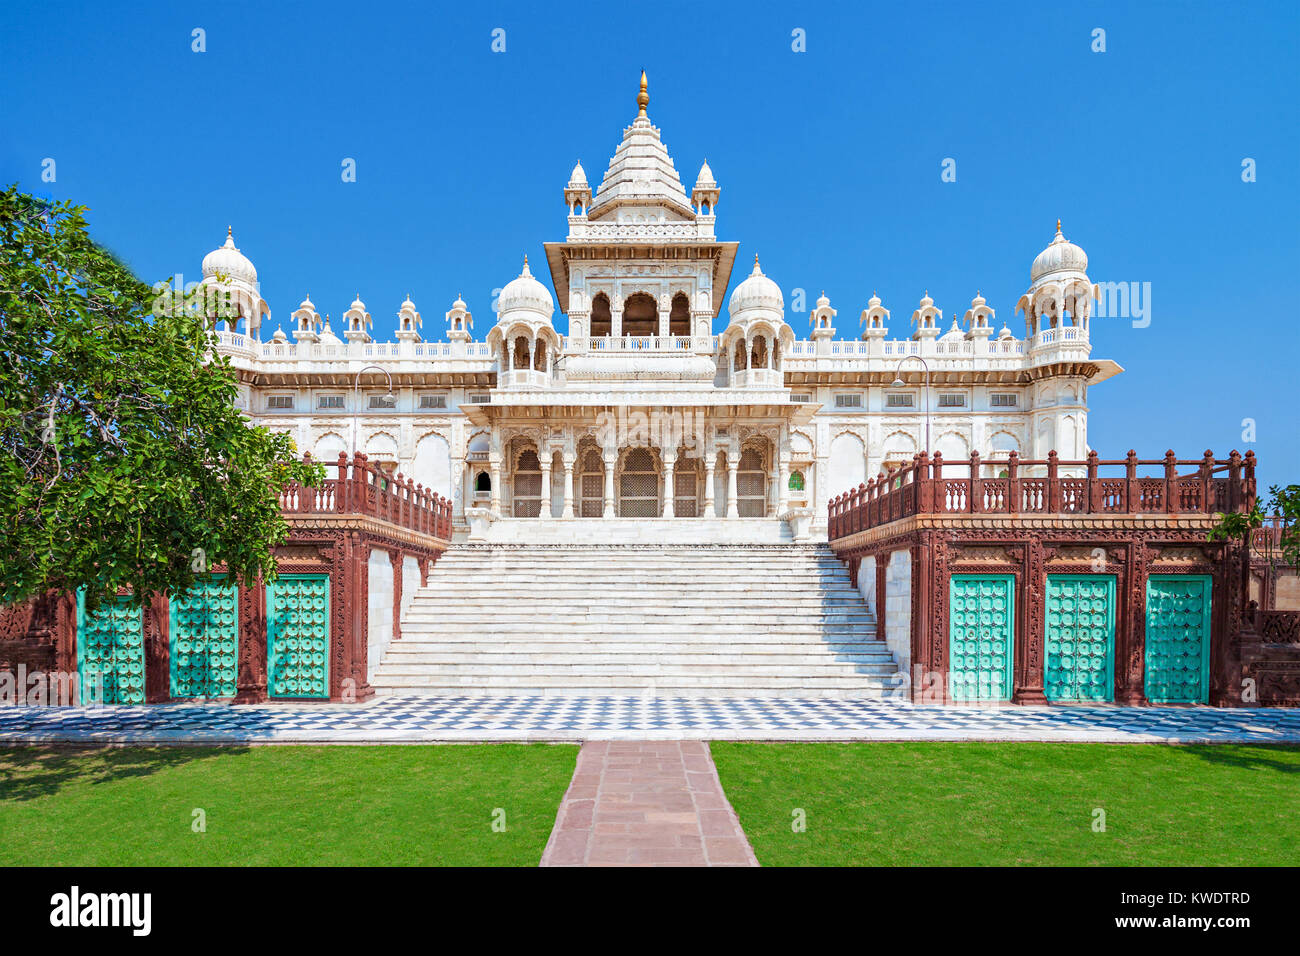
[899, 383]
[356, 387]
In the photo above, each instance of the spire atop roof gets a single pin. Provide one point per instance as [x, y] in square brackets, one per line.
[642, 98]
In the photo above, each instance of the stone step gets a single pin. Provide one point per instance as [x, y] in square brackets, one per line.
[755, 644]
[871, 651]
[649, 632]
[632, 690]
[542, 677]
[687, 616]
[636, 668]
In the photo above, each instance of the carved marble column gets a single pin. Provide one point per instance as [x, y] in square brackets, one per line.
[782, 485]
[733, 465]
[494, 472]
[710, 508]
[670, 468]
[544, 508]
[569, 462]
[610, 462]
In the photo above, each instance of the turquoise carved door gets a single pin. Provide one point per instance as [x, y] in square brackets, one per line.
[1177, 656]
[298, 635]
[1079, 647]
[110, 653]
[981, 634]
[203, 637]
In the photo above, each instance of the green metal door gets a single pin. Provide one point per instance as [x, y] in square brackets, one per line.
[203, 634]
[110, 653]
[981, 634]
[298, 635]
[1080, 637]
[1178, 639]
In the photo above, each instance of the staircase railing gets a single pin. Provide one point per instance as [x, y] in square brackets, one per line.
[1046, 486]
[362, 488]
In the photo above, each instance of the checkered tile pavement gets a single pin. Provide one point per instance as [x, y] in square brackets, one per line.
[431, 719]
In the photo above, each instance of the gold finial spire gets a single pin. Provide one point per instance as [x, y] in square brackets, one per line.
[1058, 225]
[229, 233]
[642, 98]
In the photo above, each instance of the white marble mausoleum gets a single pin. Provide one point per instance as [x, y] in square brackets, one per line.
[665, 399]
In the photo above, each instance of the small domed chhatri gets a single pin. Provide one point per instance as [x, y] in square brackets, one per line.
[1061, 255]
[525, 293]
[756, 292]
[227, 260]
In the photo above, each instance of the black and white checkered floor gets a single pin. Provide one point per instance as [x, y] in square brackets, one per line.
[432, 719]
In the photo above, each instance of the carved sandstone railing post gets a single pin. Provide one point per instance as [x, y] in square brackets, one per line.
[341, 491]
[976, 485]
[938, 499]
[1053, 501]
[1013, 482]
[1132, 496]
[1206, 473]
[1171, 482]
[921, 487]
[1248, 486]
[1094, 486]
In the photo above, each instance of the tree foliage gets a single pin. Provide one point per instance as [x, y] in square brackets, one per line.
[1282, 508]
[123, 459]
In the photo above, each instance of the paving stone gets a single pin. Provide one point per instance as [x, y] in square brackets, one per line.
[646, 813]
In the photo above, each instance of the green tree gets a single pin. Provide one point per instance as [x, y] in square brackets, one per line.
[1283, 508]
[123, 460]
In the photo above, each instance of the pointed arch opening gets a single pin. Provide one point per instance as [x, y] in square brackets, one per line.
[601, 323]
[679, 318]
[640, 315]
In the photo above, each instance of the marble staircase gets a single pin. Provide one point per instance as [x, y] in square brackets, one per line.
[753, 620]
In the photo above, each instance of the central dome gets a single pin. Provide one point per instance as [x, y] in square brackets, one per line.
[527, 293]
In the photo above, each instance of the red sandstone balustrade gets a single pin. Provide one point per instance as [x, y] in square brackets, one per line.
[1027, 486]
[362, 488]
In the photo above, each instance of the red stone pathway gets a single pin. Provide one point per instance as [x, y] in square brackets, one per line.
[646, 803]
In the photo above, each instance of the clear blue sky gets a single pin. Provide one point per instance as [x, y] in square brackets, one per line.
[829, 160]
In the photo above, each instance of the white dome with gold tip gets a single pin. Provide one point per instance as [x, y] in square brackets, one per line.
[1061, 255]
[227, 260]
[525, 293]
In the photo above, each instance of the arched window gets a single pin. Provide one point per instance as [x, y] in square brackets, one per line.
[796, 481]
[600, 317]
[739, 364]
[638, 486]
[679, 319]
[521, 353]
[758, 358]
[751, 484]
[483, 483]
[527, 497]
[640, 315]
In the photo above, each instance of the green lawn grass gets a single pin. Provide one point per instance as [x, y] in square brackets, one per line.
[409, 805]
[972, 804]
